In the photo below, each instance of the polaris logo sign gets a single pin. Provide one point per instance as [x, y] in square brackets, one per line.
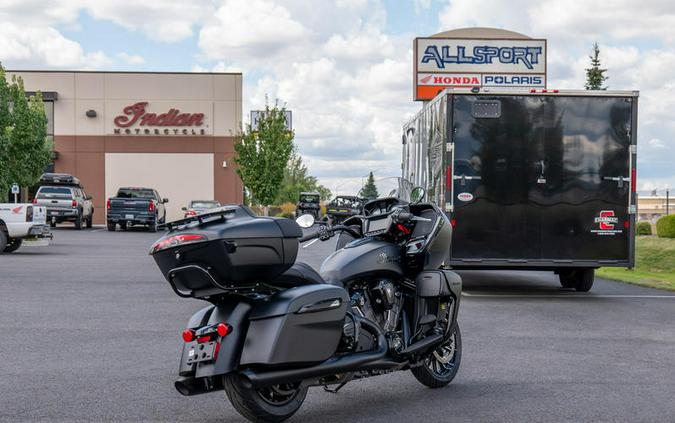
[453, 62]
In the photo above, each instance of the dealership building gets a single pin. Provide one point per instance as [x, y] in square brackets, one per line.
[170, 131]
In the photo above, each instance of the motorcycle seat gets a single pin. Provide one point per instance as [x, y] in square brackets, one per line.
[299, 274]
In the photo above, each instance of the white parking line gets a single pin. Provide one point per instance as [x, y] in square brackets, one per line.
[498, 295]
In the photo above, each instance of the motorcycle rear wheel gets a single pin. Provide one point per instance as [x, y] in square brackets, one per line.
[270, 404]
[440, 366]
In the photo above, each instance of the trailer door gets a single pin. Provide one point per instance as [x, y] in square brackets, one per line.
[495, 152]
[584, 183]
[541, 180]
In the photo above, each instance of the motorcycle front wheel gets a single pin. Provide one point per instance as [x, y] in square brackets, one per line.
[440, 367]
[269, 404]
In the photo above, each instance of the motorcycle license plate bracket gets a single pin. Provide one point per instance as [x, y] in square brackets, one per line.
[200, 353]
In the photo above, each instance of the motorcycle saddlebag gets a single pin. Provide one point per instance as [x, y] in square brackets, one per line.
[298, 325]
[238, 251]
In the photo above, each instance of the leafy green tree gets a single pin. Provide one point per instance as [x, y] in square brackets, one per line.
[595, 75]
[24, 148]
[296, 180]
[369, 190]
[262, 155]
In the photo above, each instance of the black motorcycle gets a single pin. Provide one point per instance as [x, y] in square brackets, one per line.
[275, 327]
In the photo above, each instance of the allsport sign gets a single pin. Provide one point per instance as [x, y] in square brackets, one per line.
[459, 62]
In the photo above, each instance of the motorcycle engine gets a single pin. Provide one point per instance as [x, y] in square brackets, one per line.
[379, 302]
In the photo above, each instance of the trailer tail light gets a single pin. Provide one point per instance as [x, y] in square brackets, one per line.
[626, 224]
[448, 178]
[188, 335]
[73, 203]
[151, 206]
[176, 241]
[453, 222]
[633, 180]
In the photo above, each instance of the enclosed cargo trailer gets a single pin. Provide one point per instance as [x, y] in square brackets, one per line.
[536, 179]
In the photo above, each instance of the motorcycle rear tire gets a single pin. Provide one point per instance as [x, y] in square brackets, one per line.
[258, 405]
[434, 374]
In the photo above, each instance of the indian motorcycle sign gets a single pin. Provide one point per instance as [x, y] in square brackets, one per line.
[137, 120]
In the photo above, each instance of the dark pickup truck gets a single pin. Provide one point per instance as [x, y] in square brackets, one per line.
[136, 206]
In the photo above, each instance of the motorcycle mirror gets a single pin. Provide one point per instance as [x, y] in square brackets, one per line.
[417, 195]
[305, 221]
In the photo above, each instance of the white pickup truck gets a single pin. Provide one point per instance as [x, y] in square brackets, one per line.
[19, 222]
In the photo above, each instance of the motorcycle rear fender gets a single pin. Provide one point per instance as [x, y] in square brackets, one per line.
[236, 315]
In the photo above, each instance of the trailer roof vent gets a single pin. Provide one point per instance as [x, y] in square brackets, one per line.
[486, 109]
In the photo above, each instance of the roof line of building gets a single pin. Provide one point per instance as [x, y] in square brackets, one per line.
[123, 72]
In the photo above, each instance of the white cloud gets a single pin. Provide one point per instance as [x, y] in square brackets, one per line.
[132, 59]
[161, 20]
[243, 29]
[34, 46]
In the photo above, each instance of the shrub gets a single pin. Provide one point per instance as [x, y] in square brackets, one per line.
[287, 215]
[665, 226]
[643, 228]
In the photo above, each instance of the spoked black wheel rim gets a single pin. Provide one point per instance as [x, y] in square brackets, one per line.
[443, 360]
[279, 395]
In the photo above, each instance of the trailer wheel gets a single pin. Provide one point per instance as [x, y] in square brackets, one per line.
[579, 279]
[585, 280]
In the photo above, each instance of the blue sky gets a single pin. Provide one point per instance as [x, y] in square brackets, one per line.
[345, 67]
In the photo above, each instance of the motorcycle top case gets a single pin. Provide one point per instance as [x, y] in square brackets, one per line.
[232, 250]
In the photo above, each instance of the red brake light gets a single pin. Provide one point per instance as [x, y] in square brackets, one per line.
[633, 180]
[191, 213]
[223, 329]
[176, 241]
[74, 203]
[202, 339]
[453, 222]
[151, 206]
[188, 335]
[107, 204]
[626, 224]
[34, 200]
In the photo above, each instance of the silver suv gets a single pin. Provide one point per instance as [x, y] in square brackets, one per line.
[66, 203]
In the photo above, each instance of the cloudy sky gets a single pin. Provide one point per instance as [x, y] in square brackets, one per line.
[345, 66]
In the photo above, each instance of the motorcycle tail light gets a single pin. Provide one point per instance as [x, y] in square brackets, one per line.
[223, 329]
[188, 335]
[176, 241]
[202, 339]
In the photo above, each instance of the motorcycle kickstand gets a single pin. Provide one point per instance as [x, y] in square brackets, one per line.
[334, 390]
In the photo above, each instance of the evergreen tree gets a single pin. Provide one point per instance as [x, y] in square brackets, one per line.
[262, 155]
[369, 190]
[595, 75]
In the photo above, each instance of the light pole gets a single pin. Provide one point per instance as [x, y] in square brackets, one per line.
[667, 200]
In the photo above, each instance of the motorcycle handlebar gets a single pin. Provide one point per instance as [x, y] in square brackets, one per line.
[331, 231]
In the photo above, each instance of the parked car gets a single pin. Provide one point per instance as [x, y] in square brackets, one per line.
[65, 200]
[309, 203]
[136, 206]
[19, 222]
[199, 206]
[343, 207]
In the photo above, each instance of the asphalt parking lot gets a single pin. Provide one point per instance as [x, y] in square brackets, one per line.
[91, 332]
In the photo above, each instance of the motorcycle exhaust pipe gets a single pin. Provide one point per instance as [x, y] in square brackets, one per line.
[190, 386]
[347, 363]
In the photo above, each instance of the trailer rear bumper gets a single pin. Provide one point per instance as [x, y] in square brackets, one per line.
[523, 264]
